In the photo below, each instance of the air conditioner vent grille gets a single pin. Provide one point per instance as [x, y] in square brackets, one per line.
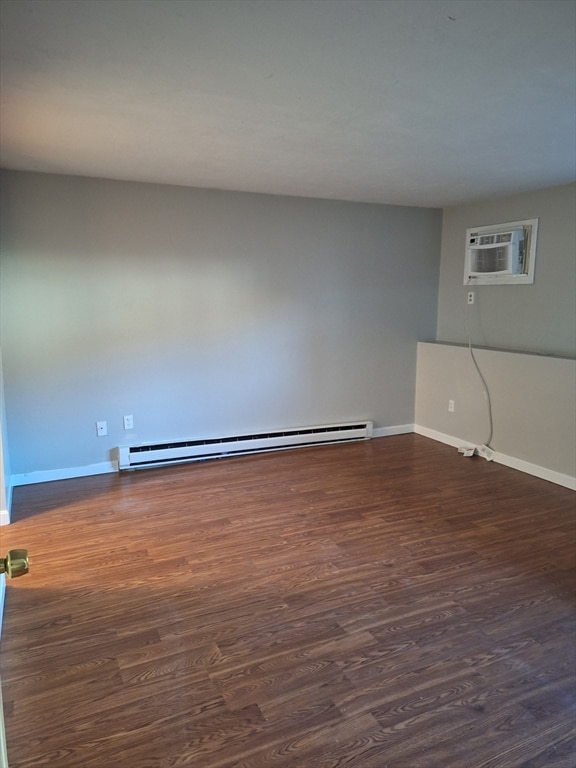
[490, 260]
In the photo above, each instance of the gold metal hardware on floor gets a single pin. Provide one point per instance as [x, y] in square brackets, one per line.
[15, 563]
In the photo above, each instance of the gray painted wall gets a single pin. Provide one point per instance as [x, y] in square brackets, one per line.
[203, 313]
[537, 318]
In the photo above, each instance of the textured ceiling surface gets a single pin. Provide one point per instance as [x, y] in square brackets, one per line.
[416, 102]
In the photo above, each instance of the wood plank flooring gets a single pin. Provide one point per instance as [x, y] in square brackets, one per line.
[387, 604]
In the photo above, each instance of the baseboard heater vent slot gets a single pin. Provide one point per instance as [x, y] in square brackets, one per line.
[158, 454]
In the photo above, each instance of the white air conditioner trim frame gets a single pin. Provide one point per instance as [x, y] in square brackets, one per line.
[526, 277]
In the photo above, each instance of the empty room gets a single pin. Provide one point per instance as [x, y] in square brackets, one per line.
[288, 383]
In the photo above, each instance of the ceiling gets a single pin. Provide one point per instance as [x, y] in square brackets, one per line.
[413, 102]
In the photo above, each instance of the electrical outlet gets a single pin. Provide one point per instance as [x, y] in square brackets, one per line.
[451, 406]
[101, 428]
[470, 297]
[128, 422]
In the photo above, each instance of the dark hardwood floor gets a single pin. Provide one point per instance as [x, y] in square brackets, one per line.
[387, 604]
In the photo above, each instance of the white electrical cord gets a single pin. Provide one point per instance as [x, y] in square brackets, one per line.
[482, 379]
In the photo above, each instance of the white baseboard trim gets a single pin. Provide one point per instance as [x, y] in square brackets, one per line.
[534, 469]
[46, 476]
[2, 598]
[5, 513]
[441, 437]
[9, 497]
[400, 429]
[567, 481]
[67, 473]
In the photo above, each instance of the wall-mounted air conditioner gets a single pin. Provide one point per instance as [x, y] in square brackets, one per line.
[502, 254]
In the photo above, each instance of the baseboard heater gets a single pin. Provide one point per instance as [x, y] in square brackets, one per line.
[159, 454]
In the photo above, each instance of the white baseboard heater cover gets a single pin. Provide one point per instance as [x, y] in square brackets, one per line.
[161, 454]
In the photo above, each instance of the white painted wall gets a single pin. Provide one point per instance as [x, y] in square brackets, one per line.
[203, 313]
